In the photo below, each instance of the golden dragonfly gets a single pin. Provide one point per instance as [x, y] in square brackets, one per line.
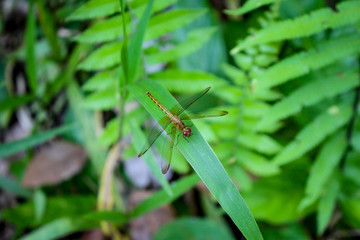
[176, 117]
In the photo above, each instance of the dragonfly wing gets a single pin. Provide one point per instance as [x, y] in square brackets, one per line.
[211, 113]
[184, 104]
[168, 155]
[155, 133]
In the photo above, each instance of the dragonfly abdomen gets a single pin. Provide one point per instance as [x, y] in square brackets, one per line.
[175, 119]
[167, 112]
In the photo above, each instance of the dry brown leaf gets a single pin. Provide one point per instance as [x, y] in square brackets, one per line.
[55, 163]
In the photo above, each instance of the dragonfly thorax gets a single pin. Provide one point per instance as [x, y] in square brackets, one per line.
[187, 132]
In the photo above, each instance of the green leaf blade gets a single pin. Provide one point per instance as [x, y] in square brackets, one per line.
[135, 45]
[204, 161]
[30, 37]
[7, 149]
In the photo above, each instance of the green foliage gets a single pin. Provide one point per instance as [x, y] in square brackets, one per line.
[324, 166]
[315, 132]
[204, 162]
[327, 205]
[302, 63]
[14, 187]
[249, 6]
[290, 143]
[30, 37]
[304, 96]
[13, 147]
[305, 25]
[314, 104]
[196, 39]
[11, 103]
[192, 228]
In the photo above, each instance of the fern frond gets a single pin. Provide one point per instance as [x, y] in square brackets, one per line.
[256, 163]
[249, 6]
[327, 204]
[304, 62]
[196, 40]
[104, 57]
[267, 95]
[260, 142]
[180, 80]
[307, 95]
[314, 133]
[101, 100]
[110, 134]
[235, 74]
[255, 109]
[323, 167]
[159, 25]
[103, 8]
[102, 80]
[103, 31]
[170, 21]
[305, 25]
[94, 9]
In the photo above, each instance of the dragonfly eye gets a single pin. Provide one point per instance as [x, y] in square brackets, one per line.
[187, 132]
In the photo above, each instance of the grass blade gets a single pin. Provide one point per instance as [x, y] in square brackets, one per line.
[14, 102]
[13, 187]
[59, 228]
[204, 161]
[135, 46]
[23, 144]
[30, 36]
[161, 198]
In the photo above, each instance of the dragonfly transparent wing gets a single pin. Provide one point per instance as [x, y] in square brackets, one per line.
[206, 114]
[155, 132]
[168, 148]
[184, 104]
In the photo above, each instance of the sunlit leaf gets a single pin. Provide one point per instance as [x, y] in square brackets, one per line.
[204, 162]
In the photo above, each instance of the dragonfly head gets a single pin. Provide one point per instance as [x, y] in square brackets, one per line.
[187, 132]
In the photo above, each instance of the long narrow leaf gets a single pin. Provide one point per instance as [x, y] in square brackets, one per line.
[135, 45]
[14, 102]
[24, 144]
[13, 187]
[204, 161]
[59, 228]
[161, 198]
[86, 127]
[49, 28]
[30, 36]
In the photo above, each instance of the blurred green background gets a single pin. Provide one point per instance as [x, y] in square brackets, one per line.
[284, 163]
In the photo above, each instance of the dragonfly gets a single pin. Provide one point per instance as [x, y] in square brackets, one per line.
[176, 118]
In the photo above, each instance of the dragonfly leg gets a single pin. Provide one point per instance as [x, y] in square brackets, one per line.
[177, 139]
[185, 138]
